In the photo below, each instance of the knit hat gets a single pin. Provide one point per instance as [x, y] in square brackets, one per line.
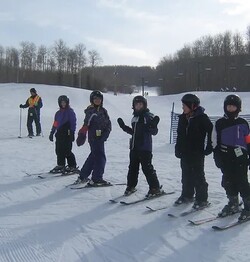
[33, 90]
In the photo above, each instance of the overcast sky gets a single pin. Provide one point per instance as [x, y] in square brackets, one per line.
[132, 32]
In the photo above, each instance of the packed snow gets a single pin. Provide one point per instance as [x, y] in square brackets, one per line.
[42, 220]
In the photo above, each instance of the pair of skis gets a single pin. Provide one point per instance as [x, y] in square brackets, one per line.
[89, 185]
[210, 219]
[48, 174]
[146, 198]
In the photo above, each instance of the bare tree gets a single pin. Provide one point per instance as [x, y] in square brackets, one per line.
[1, 54]
[28, 55]
[60, 53]
[41, 57]
[50, 63]
[94, 58]
[238, 47]
[248, 40]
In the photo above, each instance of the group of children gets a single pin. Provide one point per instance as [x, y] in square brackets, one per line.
[231, 148]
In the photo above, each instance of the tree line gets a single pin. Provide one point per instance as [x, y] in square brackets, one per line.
[211, 63]
[58, 64]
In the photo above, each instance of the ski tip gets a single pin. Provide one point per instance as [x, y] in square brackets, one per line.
[150, 209]
[216, 228]
[124, 203]
[172, 215]
[112, 201]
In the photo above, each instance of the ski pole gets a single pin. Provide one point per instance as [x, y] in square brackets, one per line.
[20, 124]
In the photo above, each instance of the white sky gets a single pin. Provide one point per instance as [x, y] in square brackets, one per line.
[132, 32]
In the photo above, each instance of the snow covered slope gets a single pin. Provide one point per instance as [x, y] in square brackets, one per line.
[41, 220]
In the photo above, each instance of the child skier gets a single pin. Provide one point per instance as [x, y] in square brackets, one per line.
[34, 103]
[64, 129]
[231, 155]
[144, 125]
[98, 126]
[193, 127]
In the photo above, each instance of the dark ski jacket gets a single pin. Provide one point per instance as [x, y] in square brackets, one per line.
[192, 132]
[232, 141]
[141, 131]
[64, 122]
[97, 122]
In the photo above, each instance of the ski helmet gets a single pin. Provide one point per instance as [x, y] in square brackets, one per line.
[94, 94]
[63, 98]
[192, 101]
[232, 100]
[139, 99]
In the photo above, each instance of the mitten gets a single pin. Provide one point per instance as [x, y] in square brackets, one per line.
[177, 153]
[154, 122]
[51, 136]
[208, 150]
[82, 135]
[121, 123]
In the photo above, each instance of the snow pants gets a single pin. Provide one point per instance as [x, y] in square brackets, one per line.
[64, 151]
[235, 180]
[193, 177]
[33, 115]
[144, 158]
[95, 163]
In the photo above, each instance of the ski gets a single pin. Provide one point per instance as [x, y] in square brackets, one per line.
[186, 213]
[208, 219]
[157, 208]
[146, 198]
[203, 221]
[230, 225]
[48, 175]
[37, 174]
[95, 186]
[117, 199]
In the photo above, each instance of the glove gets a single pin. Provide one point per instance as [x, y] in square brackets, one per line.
[21, 106]
[121, 123]
[208, 150]
[154, 122]
[51, 136]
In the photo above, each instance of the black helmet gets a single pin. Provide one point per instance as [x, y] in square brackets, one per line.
[63, 98]
[232, 100]
[138, 99]
[95, 93]
[191, 101]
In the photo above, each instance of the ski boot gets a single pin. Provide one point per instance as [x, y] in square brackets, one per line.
[129, 191]
[200, 204]
[245, 213]
[57, 169]
[70, 170]
[183, 200]
[231, 208]
[96, 183]
[30, 135]
[154, 192]
[79, 180]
